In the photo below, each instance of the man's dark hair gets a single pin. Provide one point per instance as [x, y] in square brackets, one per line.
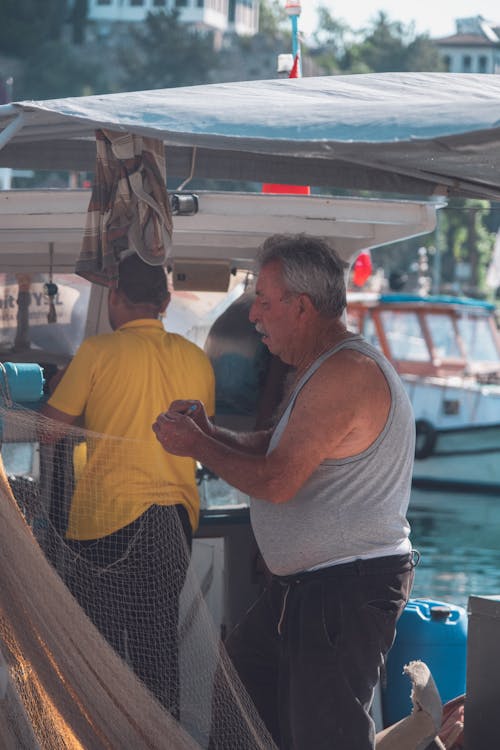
[142, 283]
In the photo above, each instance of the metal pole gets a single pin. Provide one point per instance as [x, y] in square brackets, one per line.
[436, 261]
[293, 10]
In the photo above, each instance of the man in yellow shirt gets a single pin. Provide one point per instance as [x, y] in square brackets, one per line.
[134, 508]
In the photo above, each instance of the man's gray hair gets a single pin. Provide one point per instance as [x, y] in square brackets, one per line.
[309, 266]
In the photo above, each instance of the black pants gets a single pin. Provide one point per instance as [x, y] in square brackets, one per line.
[129, 585]
[310, 650]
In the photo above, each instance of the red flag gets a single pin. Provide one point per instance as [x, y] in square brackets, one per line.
[295, 71]
[362, 268]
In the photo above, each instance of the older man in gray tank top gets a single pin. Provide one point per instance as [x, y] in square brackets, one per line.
[329, 485]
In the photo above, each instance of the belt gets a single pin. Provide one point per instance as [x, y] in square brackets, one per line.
[357, 567]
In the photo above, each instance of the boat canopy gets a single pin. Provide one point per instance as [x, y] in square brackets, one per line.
[399, 133]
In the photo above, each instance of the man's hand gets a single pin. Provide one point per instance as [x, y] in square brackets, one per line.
[196, 411]
[177, 431]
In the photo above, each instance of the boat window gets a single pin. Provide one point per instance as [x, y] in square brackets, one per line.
[478, 339]
[404, 335]
[443, 336]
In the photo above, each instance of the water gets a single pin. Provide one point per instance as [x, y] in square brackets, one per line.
[458, 536]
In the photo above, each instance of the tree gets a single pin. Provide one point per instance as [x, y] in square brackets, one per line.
[461, 237]
[392, 46]
[331, 32]
[255, 57]
[162, 53]
[330, 41]
[272, 18]
[56, 69]
[19, 36]
[467, 239]
[78, 18]
[423, 55]
[385, 46]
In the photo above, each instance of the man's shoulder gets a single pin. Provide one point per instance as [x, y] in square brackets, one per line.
[93, 348]
[355, 368]
[357, 351]
[99, 341]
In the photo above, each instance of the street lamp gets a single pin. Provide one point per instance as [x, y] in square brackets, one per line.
[293, 10]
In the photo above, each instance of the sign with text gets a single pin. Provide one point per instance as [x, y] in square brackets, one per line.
[25, 306]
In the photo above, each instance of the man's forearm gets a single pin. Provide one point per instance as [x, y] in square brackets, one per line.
[239, 458]
[247, 442]
[248, 471]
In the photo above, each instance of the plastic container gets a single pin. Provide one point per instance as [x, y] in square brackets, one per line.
[21, 382]
[432, 632]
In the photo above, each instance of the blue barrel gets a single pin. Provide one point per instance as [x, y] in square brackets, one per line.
[432, 632]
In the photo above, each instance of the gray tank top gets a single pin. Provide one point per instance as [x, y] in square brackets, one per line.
[350, 507]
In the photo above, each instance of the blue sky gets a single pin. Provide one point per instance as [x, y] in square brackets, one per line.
[437, 17]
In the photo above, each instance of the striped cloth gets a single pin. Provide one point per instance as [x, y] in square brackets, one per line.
[129, 210]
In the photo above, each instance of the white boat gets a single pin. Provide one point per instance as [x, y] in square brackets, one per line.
[407, 134]
[447, 352]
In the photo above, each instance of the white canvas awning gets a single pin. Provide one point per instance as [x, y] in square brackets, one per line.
[396, 132]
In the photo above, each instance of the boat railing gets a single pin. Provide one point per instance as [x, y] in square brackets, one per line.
[488, 378]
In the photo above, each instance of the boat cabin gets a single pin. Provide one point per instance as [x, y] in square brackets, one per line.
[434, 336]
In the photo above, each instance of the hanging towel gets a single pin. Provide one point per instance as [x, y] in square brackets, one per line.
[129, 210]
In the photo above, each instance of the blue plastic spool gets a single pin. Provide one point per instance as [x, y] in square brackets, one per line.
[20, 383]
[435, 633]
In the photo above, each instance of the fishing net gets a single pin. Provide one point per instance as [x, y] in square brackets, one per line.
[103, 645]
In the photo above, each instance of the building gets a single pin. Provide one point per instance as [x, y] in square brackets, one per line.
[474, 48]
[219, 16]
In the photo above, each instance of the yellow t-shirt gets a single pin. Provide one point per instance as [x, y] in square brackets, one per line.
[120, 382]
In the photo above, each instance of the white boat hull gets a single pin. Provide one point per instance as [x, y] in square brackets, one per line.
[454, 403]
[463, 458]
